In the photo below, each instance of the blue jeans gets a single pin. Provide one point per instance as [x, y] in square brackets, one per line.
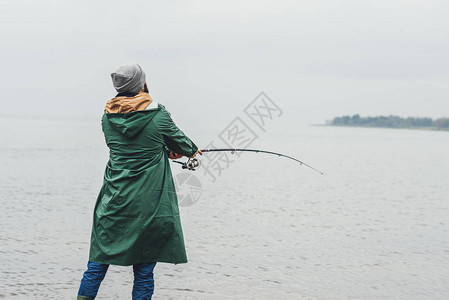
[143, 280]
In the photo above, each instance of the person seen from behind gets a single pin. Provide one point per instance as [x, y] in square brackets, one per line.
[136, 219]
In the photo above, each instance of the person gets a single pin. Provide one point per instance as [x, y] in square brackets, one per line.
[136, 217]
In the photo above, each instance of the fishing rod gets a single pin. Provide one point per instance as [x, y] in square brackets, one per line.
[193, 163]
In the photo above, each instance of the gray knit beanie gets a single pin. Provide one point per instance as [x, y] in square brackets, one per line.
[128, 78]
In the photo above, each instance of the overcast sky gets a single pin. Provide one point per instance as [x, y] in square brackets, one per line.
[316, 59]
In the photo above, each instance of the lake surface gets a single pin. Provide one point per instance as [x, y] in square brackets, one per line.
[375, 226]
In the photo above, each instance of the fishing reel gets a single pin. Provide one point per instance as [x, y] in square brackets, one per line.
[191, 164]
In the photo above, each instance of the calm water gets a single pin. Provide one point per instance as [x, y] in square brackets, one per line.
[376, 226]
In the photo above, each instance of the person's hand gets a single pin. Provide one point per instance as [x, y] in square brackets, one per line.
[174, 155]
[197, 152]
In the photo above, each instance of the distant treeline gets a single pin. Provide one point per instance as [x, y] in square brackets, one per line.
[391, 122]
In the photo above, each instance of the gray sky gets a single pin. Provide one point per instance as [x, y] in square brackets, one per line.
[316, 59]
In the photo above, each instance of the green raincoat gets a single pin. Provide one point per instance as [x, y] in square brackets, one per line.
[136, 217]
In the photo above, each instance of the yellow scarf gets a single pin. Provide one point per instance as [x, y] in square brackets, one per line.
[128, 104]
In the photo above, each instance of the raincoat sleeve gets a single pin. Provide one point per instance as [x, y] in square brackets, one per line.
[175, 140]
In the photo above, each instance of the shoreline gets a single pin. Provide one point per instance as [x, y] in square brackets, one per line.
[384, 127]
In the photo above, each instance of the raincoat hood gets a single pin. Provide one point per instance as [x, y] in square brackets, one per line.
[123, 104]
[129, 115]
